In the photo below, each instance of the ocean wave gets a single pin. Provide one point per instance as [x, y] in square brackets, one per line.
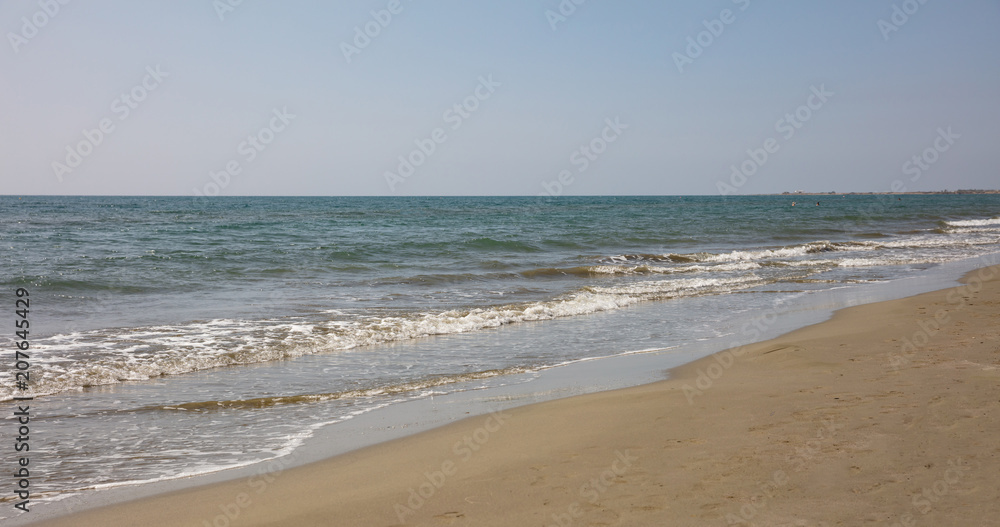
[598, 270]
[624, 258]
[940, 242]
[658, 289]
[974, 230]
[974, 223]
[653, 269]
[808, 254]
[102, 357]
[773, 253]
[980, 226]
[796, 253]
[890, 260]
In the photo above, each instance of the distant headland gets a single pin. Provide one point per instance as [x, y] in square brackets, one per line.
[929, 192]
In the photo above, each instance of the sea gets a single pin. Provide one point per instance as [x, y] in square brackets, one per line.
[172, 337]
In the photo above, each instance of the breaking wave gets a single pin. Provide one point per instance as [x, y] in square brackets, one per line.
[136, 354]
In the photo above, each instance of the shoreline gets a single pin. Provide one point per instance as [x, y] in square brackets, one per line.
[969, 192]
[480, 447]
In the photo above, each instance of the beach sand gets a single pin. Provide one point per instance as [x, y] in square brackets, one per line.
[887, 414]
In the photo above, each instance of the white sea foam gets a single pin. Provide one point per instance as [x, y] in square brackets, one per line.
[975, 223]
[673, 288]
[81, 359]
[804, 254]
[657, 269]
[794, 251]
[933, 242]
[889, 260]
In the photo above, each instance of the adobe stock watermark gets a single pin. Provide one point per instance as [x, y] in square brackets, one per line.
[265, 475]
[758, 501]
[582, 157]
[224, 7]
[454, 116]
[30, 26]
[363, 35]
[787, 126]
[915, 167]
[811, 447]
[566, 9]
[464, 450]
[249, 149]
[592, 489]
[751, 332]
[122, 106]
[714, 28]
[899, 16]
[930, 326]
[925, 500]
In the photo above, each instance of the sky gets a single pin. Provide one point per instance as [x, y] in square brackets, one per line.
[513, 97]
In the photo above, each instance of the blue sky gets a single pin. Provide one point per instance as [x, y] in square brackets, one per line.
[267, 89]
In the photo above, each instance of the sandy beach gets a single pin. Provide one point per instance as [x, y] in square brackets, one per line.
[887, 414]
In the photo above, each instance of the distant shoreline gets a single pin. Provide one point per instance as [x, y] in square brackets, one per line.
[193, 197]
[924, 193]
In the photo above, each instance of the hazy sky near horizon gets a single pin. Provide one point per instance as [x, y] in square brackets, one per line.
[306, 97]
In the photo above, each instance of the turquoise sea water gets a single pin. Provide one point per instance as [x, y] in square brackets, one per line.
[212, 333]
